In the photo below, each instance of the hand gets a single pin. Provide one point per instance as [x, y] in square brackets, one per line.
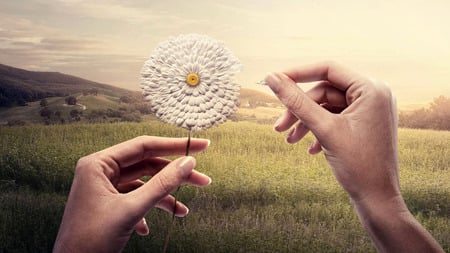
[354, 119]
[108, 201]
[359, 142]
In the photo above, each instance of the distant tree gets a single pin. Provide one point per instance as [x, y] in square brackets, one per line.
[71, 100]
[125, 99]
[143, 108]
[43, 102]
[437, 116]
[5, 101]
[132, 117]
[21, 102]
[113, 113]
[58, 114]
[16, 122]
[46, 113]
[92, 91]
[440, 113]
[75, 114]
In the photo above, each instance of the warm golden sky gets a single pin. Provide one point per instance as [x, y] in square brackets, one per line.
[404, 42]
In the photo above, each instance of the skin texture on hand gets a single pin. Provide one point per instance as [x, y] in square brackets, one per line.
[354, 119]
[108, 201]
[365, 128]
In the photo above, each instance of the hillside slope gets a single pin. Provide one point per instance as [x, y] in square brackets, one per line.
[19, 86]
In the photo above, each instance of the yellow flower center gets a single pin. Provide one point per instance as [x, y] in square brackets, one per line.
[192, 79]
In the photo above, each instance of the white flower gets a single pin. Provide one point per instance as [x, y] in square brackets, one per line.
[188, 81]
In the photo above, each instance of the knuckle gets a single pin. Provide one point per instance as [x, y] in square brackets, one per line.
[294, 102]
[330, 63]
[83, 164]
[382, 90]
[142, 138]
[96, 164]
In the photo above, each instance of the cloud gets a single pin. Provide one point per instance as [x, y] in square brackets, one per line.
[24, 43]
[69, 44]
[131, 12]
[23, 34]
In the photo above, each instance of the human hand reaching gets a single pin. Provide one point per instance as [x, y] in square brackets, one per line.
[108, 201]
[354, 119]
[360, 142]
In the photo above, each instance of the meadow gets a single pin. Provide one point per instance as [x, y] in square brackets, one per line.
[266, 195]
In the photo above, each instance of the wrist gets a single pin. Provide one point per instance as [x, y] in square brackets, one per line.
[392, 227]
[376, 205]
[385, 220]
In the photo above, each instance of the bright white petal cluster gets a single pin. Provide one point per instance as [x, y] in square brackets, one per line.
[188, 82]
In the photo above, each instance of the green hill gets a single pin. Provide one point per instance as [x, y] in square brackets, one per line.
[253, 98]
[19, 86]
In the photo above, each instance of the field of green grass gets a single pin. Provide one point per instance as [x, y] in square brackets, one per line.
[266, 195]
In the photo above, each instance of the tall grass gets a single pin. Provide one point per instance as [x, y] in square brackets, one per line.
[266, 195]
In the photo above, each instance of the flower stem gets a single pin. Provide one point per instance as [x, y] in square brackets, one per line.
[166, 243]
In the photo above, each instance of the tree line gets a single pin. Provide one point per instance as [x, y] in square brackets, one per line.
[436, 116]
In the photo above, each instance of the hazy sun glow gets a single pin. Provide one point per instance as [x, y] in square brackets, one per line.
[406, 43]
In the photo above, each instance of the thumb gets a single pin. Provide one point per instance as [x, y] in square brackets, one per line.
[162, 184]
[298, 103]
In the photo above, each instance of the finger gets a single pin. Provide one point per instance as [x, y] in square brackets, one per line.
[338, 75]
[325, 93]
[133, 151]
[285, 122]
[147, 167]
[312, 115]
[198, 179]
[158, 187]
[297, 133]
[141, 228]
[129, 186]
[314, 148]
[166, 204]
[152, 166]
[333, 109]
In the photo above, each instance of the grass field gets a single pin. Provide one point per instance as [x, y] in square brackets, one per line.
[266, 195]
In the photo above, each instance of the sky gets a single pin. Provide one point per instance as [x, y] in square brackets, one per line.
[405, 43]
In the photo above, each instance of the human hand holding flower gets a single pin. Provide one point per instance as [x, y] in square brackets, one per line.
[188, 83]
[108, 200]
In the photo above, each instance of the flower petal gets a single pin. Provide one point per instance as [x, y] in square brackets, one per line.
[163, 81]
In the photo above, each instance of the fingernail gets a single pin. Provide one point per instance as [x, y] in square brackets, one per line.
[198, 139]
[277, 123]
[273, 81]
[289, 136]
[210, 181]
[187, 164]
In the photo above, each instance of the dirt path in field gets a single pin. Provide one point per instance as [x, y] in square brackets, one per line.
[83, 107]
